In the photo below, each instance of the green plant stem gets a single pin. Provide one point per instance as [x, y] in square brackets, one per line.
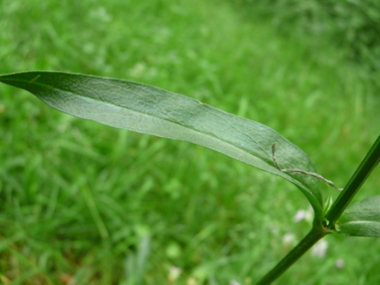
[308, 241]
[370, 161]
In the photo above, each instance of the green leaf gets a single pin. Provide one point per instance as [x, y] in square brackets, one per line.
[361, 219]
[147, 109]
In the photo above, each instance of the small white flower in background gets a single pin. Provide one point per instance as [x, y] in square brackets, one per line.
[233, 282]
[339, 263]
[299, 216]
[304, 215]
[174, 273]
[288, 239]
[320, 249]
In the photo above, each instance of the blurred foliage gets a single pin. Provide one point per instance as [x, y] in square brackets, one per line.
[84, 203]
[354, 25]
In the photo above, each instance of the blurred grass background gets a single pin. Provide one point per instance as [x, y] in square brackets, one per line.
[82, 203]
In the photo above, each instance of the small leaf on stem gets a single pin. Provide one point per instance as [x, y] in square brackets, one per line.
[361, 219]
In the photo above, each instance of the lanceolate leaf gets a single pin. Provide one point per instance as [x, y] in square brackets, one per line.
[361, 219]
[146, 109]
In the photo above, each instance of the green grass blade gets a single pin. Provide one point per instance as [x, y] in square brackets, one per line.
[146, 109]
[361, 219]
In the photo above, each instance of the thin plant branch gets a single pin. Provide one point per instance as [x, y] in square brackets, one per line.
[368, 164]
[298, 171]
